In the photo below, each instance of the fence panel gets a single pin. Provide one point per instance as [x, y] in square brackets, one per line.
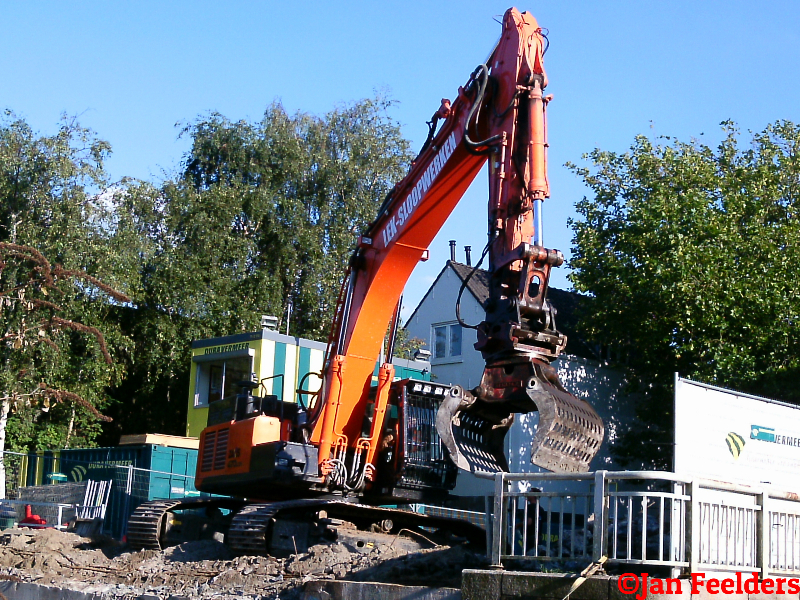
[784, 534]
[644, 518]
[646, 527]
[547, 525]
[728, 530]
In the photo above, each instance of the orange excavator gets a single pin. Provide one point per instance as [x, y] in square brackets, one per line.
[357, 446]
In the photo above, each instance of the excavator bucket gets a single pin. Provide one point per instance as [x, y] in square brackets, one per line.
[473, 425]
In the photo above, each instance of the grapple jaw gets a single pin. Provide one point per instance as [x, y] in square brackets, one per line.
[473, 425]
[473, 437]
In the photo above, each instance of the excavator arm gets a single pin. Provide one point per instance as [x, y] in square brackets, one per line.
[498, 116]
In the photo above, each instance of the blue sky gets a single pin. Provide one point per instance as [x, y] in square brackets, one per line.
[132, 70]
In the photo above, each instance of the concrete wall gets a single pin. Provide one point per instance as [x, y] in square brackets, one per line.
[353, 590]
[312, 590]
[505, 585]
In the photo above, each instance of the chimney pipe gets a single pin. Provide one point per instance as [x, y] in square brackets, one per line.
[468, 251]
[452, 250]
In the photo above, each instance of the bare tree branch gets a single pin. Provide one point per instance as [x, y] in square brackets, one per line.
[46, 304]
[63, 395]
[86, 329]
[49, 273]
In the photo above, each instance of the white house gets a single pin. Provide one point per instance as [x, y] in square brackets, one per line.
[455, 361]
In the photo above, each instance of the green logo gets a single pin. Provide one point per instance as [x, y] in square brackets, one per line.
[735, 444]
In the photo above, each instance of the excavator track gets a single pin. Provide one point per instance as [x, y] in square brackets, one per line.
[146, 523]
[249, 528]
[250, 531]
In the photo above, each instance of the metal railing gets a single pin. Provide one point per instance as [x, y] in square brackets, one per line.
[644, 518]
[784, 531]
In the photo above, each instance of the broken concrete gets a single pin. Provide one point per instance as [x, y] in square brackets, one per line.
[67, 563]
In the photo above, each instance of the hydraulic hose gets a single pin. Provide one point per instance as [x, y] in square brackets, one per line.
[481, 76]
[464, 285]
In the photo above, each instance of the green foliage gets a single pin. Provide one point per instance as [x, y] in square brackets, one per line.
[268, 212]
[691, 255]
[405, 346]
[55, 367]
[265, 214]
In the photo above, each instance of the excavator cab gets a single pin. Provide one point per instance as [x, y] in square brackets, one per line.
[413, 462]
[253, 446]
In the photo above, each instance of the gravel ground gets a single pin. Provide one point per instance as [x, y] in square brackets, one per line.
[206, 569]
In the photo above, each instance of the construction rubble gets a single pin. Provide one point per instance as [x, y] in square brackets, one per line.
[206, 569]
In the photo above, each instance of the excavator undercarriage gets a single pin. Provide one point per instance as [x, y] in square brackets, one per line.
[290, 526]
[288, 502]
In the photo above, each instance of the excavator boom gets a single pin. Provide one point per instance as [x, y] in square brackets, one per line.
[499, 116]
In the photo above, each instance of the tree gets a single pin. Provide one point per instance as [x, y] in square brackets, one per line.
[405, 346]
[690, 254]
[265, 215]
[55, 203]
[41, 351]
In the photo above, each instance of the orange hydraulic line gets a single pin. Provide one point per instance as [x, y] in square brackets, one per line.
[385, 378]
[331, 408]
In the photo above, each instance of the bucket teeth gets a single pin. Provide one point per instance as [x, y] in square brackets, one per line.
[569, 433]
[473, 426]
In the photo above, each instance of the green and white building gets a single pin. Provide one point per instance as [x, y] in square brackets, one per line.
[280, 363]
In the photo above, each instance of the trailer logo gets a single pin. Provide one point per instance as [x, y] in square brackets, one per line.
[228, 348]
[768, 434]
[397, 220]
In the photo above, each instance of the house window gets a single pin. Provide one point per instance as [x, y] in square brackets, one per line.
[447, 341]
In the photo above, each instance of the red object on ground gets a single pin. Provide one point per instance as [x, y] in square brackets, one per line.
[31, 519]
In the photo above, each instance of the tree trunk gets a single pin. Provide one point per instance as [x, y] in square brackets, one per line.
[70, 427]
[4, 410]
